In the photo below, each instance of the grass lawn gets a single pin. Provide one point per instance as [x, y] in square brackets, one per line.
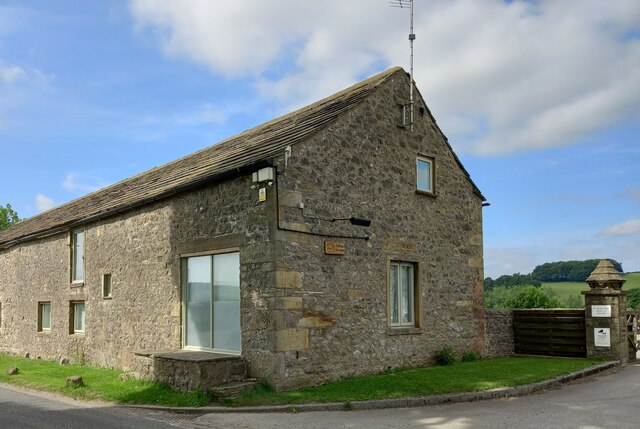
[565, 289]
[460, 377]
[100, 383]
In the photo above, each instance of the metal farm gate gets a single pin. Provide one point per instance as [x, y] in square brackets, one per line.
[550, 332]
[633, 333]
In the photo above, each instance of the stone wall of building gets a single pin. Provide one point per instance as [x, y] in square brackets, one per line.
[331, 316]
[307, 317]
[498, 333]
[141, 250]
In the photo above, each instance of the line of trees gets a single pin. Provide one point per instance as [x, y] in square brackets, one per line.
[569, 271]
[563, 271]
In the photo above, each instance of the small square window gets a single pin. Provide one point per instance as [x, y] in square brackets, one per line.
[106, 285]
[402, 294]
[44, 316]
[424, 174]
[77, 317]
[77, 257]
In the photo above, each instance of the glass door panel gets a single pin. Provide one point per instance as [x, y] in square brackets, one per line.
[226, 302]
[198, 302]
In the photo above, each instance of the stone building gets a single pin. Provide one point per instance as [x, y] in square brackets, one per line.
[330, 242]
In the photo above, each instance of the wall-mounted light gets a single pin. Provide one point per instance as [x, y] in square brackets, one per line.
[264, 175]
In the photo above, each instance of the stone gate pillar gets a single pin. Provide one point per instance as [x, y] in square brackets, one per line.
[605, 307]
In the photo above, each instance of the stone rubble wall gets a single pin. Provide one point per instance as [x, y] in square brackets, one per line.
[140, 249]
[331, 310]
[498, 333]
[306, 317]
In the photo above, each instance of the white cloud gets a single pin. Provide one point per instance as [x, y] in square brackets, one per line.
[44, 203]
[11, 74]
[500, 77]
[625, 228]
[74, 182]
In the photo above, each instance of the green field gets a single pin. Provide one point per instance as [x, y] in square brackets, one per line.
[565, 289]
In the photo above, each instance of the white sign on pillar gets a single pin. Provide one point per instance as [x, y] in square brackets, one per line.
[602, 337]
[601, 311]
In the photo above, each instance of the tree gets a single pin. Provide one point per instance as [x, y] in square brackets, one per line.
[532, 297]
[633, 299]
[568, 271]
[7, 217]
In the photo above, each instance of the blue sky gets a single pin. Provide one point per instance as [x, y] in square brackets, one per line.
[541, 100]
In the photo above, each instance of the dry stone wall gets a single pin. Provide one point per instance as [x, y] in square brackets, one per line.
[498, 333]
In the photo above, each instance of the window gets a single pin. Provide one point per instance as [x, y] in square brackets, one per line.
[424, 170]
[106, 285]
[402, 302]
[77, 256]
[77, 317]
[44, 316]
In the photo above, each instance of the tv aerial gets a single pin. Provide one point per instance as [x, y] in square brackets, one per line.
[408, 4]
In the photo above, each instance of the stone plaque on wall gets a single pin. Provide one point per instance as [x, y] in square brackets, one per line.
[602, 337]
[333, 248]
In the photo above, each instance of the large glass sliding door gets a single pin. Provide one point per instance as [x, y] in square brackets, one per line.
[212, 302]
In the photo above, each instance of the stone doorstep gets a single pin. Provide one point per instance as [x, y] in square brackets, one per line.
[222, 374]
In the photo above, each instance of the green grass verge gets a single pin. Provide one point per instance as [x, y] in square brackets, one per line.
[100, 383]
[461, 377]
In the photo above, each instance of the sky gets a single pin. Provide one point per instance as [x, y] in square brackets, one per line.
[540, 99]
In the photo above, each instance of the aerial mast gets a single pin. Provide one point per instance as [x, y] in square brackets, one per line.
[408, 4]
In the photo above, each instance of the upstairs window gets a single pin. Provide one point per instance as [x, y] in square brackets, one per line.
[424, 174]
[77, 257]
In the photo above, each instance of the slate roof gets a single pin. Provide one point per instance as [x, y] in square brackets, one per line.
[249, 148]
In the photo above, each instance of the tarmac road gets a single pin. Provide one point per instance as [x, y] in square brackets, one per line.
[21, 409]
[609, 400]
[600, 402]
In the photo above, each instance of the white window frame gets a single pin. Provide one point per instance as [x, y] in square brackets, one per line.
[398, 298]
[73, 319]
[431, 162]
[77, 255]
[41, 318]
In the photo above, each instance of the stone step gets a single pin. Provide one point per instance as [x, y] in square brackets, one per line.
[231, 390]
